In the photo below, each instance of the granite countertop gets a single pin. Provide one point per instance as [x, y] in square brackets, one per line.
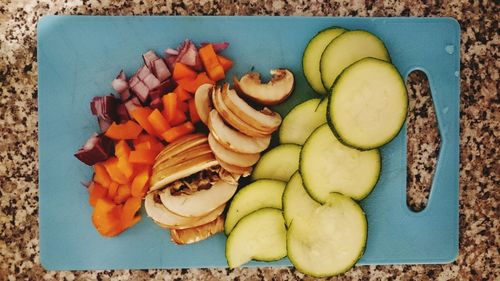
[479, 257]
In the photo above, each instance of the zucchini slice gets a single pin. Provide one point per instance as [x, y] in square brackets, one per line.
[302, 120]
[345, 50]
[297, 204]
[260, 235]
[312, 56]
[278, 163]
[327, 166]
[331, 241]
[368, 104]
[257, 195]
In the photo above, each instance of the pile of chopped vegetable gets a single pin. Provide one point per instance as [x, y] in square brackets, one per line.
[155, 106]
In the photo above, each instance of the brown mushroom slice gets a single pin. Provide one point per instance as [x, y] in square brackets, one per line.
[180, 145]
[234, 140]
[235, 170]
[232, 119]
[265, 120]
[199, 203]
[231, 157]
[196, 234]
[164, 218]
[192, 152]
[163, 176]
[271, 93]
[203, 101]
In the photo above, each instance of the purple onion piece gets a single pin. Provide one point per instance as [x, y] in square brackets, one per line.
[141, 91]
[132, 104]
[157, 104]
[143, 72]
[98, 148]
[122, 113]
[103, 124]
[151, 81]
[160, 69]
[171, 51]
[104, 107]
[149, 57]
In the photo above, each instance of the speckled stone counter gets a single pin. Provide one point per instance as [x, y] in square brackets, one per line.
[479, 257]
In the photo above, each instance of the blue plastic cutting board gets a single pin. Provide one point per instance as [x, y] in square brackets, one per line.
[78, 56]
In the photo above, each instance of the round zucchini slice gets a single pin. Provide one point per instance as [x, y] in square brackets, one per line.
[327, 166]
[368, 104]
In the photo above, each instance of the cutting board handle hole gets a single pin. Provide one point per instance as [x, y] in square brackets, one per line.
[423, 141]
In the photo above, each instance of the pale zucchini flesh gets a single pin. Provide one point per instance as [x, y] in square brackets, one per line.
[331, 241]
[302, 120]
[312, 57]
[345, 50]
[257, 195]
[297, 204]
[368, 104]
[327, 166]
[260, 235]
[278, 163]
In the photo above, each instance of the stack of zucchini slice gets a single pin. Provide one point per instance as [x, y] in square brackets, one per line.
[303, 203]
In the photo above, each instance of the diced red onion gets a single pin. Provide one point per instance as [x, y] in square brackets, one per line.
[218, 46]
[165, 87]
[133, 81]
[141, 91]
[104, 107]
[171, 51]
[160, 70]
[170, 61]
[104, 124]
[132, 104]
[188, 56]
[151, 81]
[98, 148]
[149, 57]
[142, 72]
[122, 113]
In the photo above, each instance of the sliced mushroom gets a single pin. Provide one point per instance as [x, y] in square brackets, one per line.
[198, 150]
[199, 203]
[163, 217]
[274, 92]
[195, 234]
[234, 140]
[163, 176]
[265, 120]
[203, 101]
[180, 145]
[231, 157]
[232, 119]
[243, 171]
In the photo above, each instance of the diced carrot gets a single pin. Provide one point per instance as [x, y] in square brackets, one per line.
[148, 142]
[125, 167]
[225, 62]
[158, 122]
[191, 85]
[113, 187]
[169, 105]
[122, 194]
[122, 149]
[140, 115]
[193, 114]
[96, 191]
[114, 172]
[140, 183]
[106, 217]
[179, 131]
[130, 208]
[131, 223]
[126, 131]
[101, 176]
[182, 71]
[209, 59]
[182, 95]
[143, 156]
[179, 118]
